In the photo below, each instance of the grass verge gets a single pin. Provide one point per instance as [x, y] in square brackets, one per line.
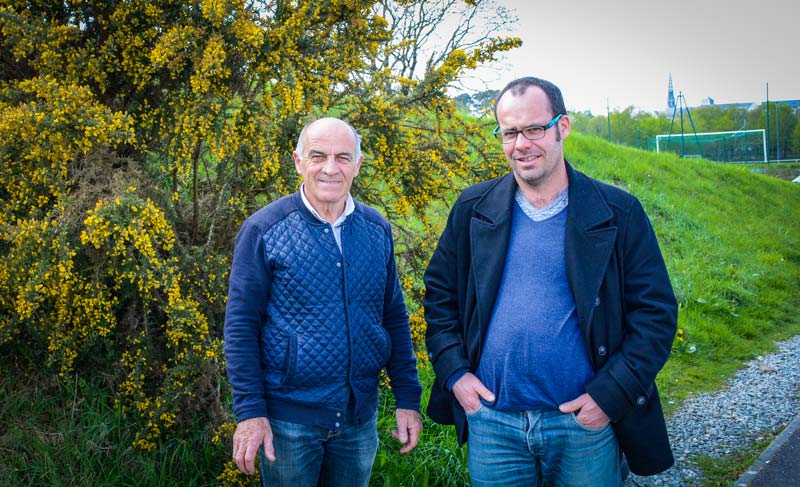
[725, 470]
[69, 433]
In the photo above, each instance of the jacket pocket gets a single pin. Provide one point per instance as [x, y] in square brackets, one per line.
[374, 351]
[384, 346]
[290, 361]
[278, 355]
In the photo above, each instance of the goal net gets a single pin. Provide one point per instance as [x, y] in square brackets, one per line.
[734, 146]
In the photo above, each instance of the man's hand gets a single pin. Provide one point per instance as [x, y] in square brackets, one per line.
[590, 414]
[409, 426]
[249, 436]
[469, 390]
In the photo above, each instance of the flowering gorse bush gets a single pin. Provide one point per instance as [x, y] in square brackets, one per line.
[136, 136]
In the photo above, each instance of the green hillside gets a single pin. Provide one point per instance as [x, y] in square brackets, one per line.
[731, 239]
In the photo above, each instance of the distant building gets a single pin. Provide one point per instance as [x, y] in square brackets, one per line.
[708, 101]
[793, 104]
[725, 106]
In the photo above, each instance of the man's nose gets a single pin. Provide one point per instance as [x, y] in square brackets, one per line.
[522, 142]
[330, 165]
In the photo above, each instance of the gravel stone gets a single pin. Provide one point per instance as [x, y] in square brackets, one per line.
[762, 397]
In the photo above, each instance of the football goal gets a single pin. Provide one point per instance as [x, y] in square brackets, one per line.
[733, 146]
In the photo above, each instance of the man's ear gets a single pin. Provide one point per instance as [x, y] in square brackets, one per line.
[564, 125]
[298, 163]
[358, 165]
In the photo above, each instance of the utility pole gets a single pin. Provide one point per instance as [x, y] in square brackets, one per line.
[683, 146]
[608, 119]
[767, 121]
[777, 134]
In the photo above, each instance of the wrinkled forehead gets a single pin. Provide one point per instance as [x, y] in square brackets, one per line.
[330, 136]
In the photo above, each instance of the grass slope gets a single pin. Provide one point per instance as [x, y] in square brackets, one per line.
[731, 240]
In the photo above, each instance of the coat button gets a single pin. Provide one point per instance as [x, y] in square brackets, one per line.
[601, 350]
[641, 400]
[596, 301]
[338, 264]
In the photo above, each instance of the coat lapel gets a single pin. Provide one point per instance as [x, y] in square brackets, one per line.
[589, 243]
[490, 230]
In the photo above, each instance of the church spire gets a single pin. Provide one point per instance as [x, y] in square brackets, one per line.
[670, 95]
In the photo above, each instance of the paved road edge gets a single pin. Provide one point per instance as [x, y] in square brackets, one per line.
[750, 474]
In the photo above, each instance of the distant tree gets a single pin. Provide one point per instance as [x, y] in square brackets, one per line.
[795, 139]
[425, 33]
[624, 127]
[586, 123]
[464, 102]
[783, 124]
[713, 119]
[483, 101]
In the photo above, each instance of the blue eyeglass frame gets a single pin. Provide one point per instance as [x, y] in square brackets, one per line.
[517, 132]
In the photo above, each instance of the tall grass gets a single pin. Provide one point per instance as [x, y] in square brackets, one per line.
[436, 461]
[69, 433]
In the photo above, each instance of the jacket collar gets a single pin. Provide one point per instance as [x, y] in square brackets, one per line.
[490, 230]
[587, 206]
[311, 216]
[495, 205]
[590, 239]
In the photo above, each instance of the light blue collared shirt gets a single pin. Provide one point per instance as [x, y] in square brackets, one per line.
[349, 207]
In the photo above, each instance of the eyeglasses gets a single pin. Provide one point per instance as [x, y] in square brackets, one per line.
[531, 133]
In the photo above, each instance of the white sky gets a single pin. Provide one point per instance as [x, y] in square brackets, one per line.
[621, 52]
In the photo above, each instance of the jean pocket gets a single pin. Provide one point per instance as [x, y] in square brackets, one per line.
[587, 428]
[476, 411]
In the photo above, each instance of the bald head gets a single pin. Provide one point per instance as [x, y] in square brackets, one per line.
[329, 125]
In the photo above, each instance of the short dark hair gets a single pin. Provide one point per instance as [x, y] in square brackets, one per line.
[521, 85]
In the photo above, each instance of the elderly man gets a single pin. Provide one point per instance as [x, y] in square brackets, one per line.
[549, 313]
[314, 312]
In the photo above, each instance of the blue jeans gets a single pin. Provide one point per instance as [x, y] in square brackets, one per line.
[311, 456]
[527, 449]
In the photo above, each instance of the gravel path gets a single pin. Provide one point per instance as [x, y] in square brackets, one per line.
[763, 396]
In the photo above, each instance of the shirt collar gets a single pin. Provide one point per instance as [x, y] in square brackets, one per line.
[539, 214]
[349, 207]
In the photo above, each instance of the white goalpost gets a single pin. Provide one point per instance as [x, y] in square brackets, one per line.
[731, 146]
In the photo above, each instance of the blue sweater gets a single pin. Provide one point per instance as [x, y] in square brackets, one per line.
[308, 328]
[534, 357]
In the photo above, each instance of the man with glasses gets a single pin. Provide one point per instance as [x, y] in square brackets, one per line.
[549, 312]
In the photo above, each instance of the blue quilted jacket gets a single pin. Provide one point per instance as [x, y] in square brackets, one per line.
[308, 328]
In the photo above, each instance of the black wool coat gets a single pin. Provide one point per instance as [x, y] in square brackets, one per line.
[626, 307]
